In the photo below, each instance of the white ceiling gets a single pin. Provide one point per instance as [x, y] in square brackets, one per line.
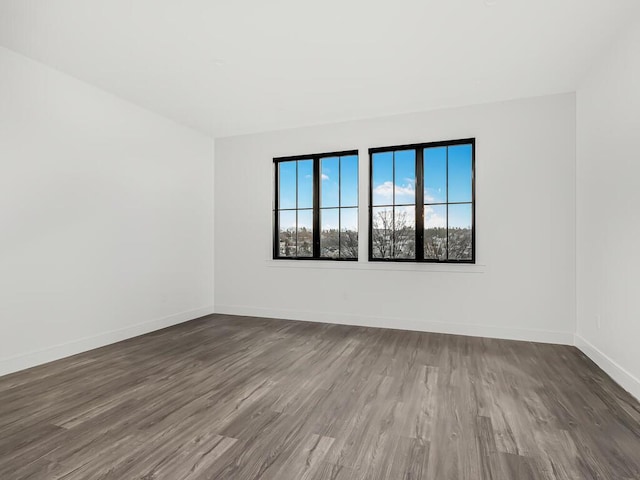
[228, 67]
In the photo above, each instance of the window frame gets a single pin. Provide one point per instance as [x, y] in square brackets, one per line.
[316, 158]
[419, 200]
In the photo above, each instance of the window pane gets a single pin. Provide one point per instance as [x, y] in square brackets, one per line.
[330, 173]
[305, 184]
[435, 232]
[349, 181]
[349, 232]
[382, 232]
[404, 236]
[287, 186]
[435, 175]
[405, 170]
[460, 173]
[305, 233]
[329, 227]
[287, 233]
[460, 241]
[382, 178]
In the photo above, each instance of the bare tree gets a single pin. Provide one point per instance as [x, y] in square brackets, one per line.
[349, 244]
[460, 241]
[330, 243]
[296, 242]
[288, 242]
[392, 235]
[435, 243]
[343, 243]
[457, 242]
[381, 234]
[305, 242]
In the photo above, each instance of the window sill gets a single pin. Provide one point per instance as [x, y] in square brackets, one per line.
[381, 266]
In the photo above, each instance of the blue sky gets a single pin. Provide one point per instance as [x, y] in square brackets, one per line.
[340, 181]
[435, 170]
[339, 187]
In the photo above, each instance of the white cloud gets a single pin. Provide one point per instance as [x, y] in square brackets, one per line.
[324, 177]
[385, 190]
[407, 190]
[433, 219]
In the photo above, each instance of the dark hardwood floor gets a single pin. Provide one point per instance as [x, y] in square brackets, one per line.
[244, 398]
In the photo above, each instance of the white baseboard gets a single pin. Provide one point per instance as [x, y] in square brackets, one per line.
[623, 377]
[56, 352]
[414, 324]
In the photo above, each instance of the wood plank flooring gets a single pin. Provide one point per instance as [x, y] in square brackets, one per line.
[240, 398]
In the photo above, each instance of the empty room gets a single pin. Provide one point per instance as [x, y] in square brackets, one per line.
[338, 240]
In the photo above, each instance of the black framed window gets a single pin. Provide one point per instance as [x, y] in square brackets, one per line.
[316, 207]
[422, 202]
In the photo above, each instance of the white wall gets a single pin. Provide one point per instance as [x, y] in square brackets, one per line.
[106, 217]
[524, 284]
[608, 212]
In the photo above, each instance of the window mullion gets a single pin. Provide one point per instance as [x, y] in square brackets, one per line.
[419, 250]
[370, 209]
[473, 203]
[276, 213]
[447, 203]
[316, 207]
[339, 207]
